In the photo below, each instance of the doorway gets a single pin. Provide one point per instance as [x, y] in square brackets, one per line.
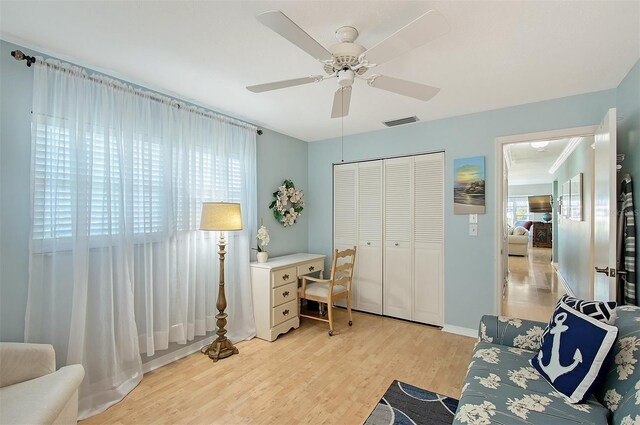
[532, 285]
[527, 207]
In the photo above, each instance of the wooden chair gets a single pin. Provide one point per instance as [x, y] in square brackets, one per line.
[337, 287]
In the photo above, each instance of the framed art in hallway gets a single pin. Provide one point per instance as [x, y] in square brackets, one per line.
[575, 209]
[566, 198]
[469, 186]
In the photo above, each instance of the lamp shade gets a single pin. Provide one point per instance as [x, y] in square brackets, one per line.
[220, 216]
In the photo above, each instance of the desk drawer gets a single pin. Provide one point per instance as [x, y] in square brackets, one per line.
[311, 267]
[280, 277]
[284, 312]
[284, 293]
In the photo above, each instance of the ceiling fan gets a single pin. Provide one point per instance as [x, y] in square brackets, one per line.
[348, 60]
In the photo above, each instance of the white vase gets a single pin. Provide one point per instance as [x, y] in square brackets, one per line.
[262, 256]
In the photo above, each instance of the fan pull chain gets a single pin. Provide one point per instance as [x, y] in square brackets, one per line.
[342, 123]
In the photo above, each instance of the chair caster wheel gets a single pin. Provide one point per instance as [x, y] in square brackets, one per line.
[350, 323]
[330, 333]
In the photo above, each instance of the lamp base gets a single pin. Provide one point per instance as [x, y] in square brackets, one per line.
[220, 349]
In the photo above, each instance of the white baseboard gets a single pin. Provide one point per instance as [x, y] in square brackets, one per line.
[564, 283]
[458, 330]
[176, 355]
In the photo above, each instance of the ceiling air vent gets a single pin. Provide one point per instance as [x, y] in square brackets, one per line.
[401, 121]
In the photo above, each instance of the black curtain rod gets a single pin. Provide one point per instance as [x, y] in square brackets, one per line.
[20, 56]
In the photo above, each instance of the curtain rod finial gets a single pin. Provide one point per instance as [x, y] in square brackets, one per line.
[20, 56]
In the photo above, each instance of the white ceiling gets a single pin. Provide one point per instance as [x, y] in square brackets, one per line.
[497, 54]
[530, 165]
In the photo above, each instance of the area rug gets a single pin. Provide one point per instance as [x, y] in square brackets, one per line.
[406, 404]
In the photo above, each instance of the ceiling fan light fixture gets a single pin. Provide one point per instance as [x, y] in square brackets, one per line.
[345, 78]
[539, 145]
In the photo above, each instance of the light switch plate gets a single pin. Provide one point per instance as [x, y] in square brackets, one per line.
[473, 229]
[473, 218]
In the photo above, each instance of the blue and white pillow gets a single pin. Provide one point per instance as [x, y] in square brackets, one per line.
[575, 353]
[604, 311]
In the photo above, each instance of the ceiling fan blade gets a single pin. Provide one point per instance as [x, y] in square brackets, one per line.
[341, 102]
[259, 88]
[280, 23]
[403, 87]
[422, 30]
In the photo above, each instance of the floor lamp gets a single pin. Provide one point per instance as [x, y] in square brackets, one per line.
[222, 217]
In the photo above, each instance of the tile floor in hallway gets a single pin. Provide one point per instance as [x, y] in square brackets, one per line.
[533, 288]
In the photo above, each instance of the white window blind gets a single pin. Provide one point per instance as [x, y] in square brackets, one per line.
[52, 182]
[58, 178]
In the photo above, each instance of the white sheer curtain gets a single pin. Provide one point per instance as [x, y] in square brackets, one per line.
[117, 265]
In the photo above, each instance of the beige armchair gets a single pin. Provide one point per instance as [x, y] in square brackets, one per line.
[32, 391]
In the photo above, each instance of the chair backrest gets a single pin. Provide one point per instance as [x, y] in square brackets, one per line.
[342, 268]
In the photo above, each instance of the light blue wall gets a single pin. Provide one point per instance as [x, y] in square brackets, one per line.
[282, 157]
[15, 157]
[573, 240]
[278, 157]
[628, 104]
[470, 280]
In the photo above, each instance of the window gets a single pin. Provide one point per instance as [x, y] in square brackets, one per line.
[134, 185]
[518, 209]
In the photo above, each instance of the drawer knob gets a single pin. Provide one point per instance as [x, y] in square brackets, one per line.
[285, 276]
[311, 268]
[368, 243]
[285, 294]
[286, 312]
[397, 244]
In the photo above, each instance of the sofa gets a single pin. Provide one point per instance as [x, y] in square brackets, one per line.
[32, 391]
[501, 387]
[518, 239]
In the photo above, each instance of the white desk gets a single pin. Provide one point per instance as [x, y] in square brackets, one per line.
[274, 287]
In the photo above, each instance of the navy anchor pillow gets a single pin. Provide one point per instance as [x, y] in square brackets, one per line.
[604, 311]
[574, 351]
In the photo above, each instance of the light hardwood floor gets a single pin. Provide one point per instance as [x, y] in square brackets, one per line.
[533, 288]
[303, 377]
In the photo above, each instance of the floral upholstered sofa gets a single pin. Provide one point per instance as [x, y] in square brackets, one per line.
[501, 387]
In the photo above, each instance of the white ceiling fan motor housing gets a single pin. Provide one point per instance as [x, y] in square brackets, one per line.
[346, 53]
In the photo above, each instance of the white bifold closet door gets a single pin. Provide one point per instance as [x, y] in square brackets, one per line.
[345, 220]
[413, 234]
[368, 279]
[393, 211]
[398, 207]
[428, 239]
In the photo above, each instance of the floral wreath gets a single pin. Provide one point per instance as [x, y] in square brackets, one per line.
[288, 203]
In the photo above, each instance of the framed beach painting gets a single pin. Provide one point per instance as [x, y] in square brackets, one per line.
[469, 186]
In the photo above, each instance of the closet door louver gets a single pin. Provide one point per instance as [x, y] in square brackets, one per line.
[428, 233]
[397, 287]
[369, 258]
[344, 205]
[345, 220]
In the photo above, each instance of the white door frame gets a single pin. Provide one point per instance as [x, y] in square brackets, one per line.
[499, 155]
